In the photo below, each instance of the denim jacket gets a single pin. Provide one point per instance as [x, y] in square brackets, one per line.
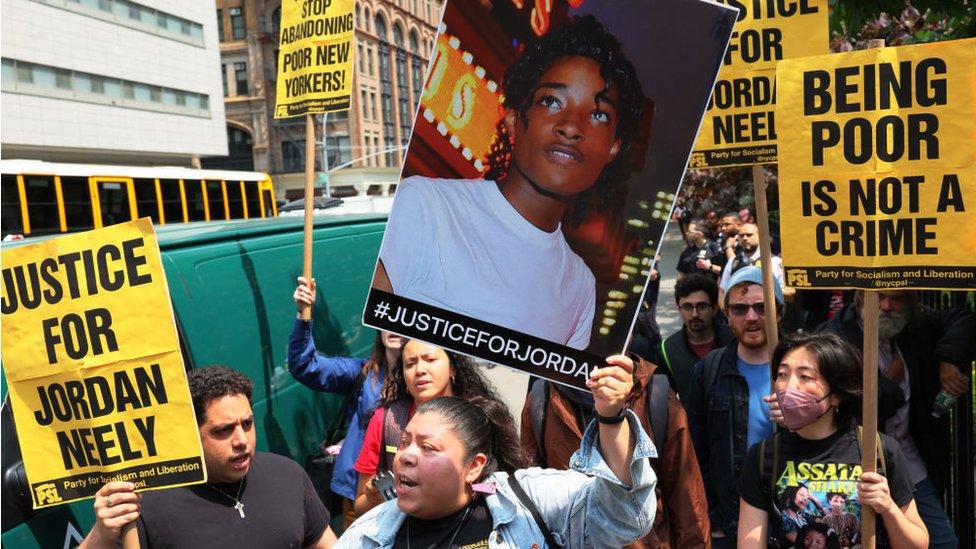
[584, 507]
[337, 375]
[719, 422]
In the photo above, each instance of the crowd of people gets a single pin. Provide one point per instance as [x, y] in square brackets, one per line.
[709, 442]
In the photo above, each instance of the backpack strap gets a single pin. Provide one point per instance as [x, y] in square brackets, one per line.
[657, 409]
[768, 464]
[879, 450]
[538, 407]
[530, 506]
[712, 363]
[395, 418]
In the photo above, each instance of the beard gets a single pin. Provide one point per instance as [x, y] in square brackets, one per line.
[890, 325]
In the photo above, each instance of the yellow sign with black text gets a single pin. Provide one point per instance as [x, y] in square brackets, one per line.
[879, 167]
[739, 126]
[315, 57]
[93, 365]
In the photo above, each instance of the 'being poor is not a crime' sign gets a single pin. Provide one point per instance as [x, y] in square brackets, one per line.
[93, 365]
[878, 171]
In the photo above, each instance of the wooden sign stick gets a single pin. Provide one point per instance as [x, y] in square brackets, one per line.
[869, 410]
[309, 204]
[765, 258]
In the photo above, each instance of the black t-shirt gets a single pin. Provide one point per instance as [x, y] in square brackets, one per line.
[816, 489]
[472, 526]
[281, 509]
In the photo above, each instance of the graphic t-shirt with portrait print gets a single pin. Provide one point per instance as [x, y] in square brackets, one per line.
[811, 494]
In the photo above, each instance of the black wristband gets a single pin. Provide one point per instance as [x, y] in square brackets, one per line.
[610, 420]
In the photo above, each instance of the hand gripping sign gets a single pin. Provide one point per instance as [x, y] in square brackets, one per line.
[879, 169]
[93, 365]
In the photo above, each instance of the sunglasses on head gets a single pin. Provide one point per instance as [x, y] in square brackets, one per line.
[742, 309]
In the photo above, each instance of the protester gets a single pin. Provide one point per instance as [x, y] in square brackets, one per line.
[552, 429]
[422, 373]
[747, 215]
[818, 390]
[359, 380]
[701, 255]
[251, 499]
[460, 480]
[923, 351]
[493, 248]
[728, 235]
[723, 427]
[697, 300]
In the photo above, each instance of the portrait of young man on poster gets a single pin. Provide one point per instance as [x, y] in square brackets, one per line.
[494, 248]
[548, 146]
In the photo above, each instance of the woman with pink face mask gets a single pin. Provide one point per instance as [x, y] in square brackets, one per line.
[818, 390]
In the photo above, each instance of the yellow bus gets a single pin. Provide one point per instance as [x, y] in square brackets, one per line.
[38, 198]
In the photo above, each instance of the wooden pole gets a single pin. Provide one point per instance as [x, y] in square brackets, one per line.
[766, 258]
[869, 410]
[309, 204]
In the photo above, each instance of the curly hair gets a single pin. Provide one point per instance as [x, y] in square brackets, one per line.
[213, 382]
[485, 426]
[581, 36]
[466, 383]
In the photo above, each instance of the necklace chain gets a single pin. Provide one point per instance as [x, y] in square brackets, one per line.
[238, 504]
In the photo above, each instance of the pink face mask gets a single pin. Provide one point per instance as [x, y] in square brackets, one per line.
[801, 409]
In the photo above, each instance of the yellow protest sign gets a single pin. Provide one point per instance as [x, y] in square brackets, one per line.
[879, 167]
[739, 126]
[315, 57]
[93, 365]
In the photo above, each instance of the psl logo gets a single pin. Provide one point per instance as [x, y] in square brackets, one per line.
[282, 111]
[47, 493]
[797, 277]
[697, 160]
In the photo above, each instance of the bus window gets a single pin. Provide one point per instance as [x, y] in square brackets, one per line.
[77, 203]
[268, 197]
[234, 199]
[114, 199]
[215, 200]
[43, 204]
[253, 202]
[172, 201]
[194, 200]
[146, 199]
[10, 221]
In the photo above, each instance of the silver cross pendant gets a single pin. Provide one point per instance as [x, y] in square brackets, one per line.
[240, 508]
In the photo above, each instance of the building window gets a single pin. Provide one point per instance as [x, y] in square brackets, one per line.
[220, 27]
[338, 150]
[369, 61]
[223, 76]
[238, 30]
[372, 105]
[362, 57]
[41, 80]
[293, 155]
[365, 103]
[240, 78]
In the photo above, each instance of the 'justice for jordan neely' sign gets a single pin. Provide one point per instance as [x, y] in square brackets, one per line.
[93, 365]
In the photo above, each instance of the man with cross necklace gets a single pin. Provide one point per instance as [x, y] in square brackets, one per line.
[251, 499]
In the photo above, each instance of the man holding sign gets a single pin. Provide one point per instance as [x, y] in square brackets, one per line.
[251, 500]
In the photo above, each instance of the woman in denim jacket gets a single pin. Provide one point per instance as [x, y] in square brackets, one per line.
[453, 467]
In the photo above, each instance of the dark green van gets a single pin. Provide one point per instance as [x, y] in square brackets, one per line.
[231, 285]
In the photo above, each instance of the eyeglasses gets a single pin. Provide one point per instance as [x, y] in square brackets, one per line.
[742, 309]
[700, 307]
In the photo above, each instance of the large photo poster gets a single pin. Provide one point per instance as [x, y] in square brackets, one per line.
[547, 149]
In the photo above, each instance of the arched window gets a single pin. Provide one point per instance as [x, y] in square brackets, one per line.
[403, 86]
[416, 67]
[386, 92]
[359, 16]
